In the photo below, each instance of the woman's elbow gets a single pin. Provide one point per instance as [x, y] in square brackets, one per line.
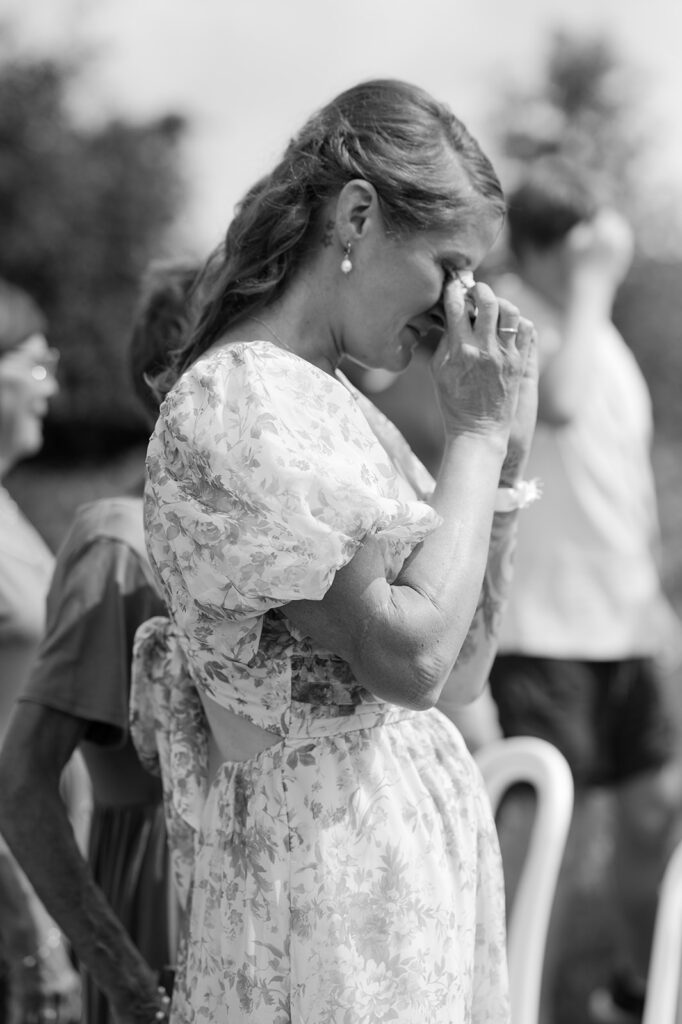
[413, 671]
[414, 683]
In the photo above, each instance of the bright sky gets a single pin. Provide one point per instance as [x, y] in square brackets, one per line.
[248, 72]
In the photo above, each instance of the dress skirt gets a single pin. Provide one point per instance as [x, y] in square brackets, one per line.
[350, 874]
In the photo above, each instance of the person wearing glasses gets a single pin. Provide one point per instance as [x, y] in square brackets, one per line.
[115, 906]
[39, 982]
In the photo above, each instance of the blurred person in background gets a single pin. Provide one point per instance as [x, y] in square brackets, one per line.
[40, 983]
[589, 641]
[118, 912]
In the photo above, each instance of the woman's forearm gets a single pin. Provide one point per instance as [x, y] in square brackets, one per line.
[468, 677]
[19, 931]
[453, 572]
[30, 805]
[402, 639]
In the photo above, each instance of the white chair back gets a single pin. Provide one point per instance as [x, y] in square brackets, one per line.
[663, 979]
[526, 759]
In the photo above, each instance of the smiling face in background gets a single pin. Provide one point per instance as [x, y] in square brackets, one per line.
[27, 383]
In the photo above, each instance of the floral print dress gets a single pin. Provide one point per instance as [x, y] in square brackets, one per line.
[350, 873]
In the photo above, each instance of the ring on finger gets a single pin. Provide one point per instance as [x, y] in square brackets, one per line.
[508, 330]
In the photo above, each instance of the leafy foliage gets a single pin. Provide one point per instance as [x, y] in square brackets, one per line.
[82, 211]
[587, 106]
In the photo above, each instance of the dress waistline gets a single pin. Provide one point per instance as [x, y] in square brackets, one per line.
[305, 721]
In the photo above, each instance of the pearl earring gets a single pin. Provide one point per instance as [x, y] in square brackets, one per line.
[346, 262]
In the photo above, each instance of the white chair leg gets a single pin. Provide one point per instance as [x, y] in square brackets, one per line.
[526, 759]
[663, 979]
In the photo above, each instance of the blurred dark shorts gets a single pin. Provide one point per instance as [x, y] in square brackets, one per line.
[610, 719]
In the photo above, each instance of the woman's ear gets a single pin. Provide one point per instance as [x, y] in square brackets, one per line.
[357, 210]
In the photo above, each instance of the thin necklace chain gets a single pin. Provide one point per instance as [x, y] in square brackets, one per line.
[277, 337]
[273, 333]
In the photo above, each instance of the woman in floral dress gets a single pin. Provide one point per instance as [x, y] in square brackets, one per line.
[333, 845]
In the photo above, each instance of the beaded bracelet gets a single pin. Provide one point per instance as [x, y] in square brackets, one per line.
[162, 1013]
[521, 495]
[52, 942]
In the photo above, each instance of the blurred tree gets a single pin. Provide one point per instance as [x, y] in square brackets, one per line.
[82, 211]
[589, 105]
[581, 106]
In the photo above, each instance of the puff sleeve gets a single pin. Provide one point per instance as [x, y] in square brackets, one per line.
[264, 478]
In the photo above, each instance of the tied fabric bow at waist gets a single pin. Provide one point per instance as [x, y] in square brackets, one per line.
[169, 730]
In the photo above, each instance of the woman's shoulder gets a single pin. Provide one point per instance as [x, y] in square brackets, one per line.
[252, 411]
[240, 381]
[257, 359]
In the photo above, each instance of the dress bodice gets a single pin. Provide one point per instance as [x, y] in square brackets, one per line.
[265, 475]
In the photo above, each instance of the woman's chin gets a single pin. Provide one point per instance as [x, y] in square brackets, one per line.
[29, 442]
